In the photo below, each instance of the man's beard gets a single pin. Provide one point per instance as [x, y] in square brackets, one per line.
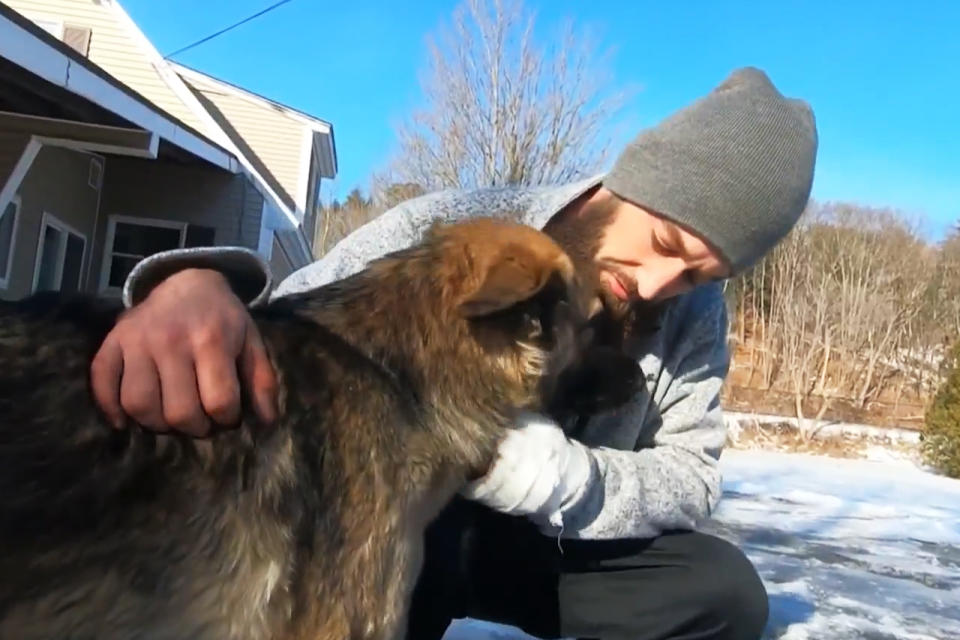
[580, 233]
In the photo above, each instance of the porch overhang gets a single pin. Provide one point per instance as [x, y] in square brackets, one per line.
[83, 136]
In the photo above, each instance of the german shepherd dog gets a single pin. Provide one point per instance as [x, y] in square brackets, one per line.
[396, 385]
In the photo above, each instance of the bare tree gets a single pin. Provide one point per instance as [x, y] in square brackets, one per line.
[502, 110]
[946, 286]
[846, 309]
[386, 194]
[337, 220]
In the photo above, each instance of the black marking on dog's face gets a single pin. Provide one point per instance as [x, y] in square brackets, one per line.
[599, 380]
[587, 371]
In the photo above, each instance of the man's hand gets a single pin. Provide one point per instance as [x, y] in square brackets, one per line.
[538, 471]
[172, 362]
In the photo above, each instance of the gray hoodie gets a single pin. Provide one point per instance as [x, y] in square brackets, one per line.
[651, 466]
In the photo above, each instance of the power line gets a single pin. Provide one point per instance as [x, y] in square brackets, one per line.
[222, 31]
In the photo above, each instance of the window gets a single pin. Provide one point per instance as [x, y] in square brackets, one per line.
[8, 236]
[130, 240]
[60, 252]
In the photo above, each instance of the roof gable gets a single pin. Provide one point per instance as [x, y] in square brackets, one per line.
[120, 48]
[293, 146]
[116, 45]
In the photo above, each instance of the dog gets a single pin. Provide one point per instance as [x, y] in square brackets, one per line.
[396, 385]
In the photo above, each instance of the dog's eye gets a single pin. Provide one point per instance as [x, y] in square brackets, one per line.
[536, 327]
[547, 314]
[532, 319]
[555, 321]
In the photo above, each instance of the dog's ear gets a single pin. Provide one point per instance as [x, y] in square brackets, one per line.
[515, 275]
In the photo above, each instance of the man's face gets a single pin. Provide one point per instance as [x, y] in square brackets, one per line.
[642, 256]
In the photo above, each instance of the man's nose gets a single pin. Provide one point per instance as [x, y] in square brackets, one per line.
[664, 279]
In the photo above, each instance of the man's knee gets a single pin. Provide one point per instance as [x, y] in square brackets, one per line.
[678, 585]
[730, 589]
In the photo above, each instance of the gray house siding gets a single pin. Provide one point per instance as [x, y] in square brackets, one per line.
[56, 188]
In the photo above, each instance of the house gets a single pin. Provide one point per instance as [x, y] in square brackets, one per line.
[109, 153]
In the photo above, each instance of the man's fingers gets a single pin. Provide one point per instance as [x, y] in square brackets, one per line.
[179, 394]
[172, 362]
[218, 384]
[140, 390]
[258, 374]
[105, 372]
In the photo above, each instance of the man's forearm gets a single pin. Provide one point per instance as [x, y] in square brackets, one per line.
[574, 491]
[637, 494]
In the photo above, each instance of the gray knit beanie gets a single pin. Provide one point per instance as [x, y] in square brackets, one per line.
[734, 168]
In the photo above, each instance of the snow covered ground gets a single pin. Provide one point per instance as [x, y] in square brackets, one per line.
[848, 549]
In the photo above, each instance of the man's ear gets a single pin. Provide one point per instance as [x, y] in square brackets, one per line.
[513, 276]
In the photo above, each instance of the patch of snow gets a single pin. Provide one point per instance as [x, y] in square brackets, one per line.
[469, 629]
[849, 549]
[874, 544]
[838, 498]
[884, 454]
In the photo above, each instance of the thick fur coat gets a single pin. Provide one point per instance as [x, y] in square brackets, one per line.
[396, 386]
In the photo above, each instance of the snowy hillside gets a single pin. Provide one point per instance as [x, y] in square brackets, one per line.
[848, 549]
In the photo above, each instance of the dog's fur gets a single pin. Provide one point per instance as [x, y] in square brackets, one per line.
[396, 386]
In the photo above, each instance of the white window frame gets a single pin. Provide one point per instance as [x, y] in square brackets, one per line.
[17, 205]
[108, 252]
[50, 220]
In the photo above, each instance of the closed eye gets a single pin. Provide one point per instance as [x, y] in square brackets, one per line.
[662, 247]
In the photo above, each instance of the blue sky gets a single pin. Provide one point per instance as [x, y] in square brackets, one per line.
[883, 77]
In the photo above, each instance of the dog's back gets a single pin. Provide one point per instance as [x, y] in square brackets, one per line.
[129, 534]
[134, 534]
[395, 384]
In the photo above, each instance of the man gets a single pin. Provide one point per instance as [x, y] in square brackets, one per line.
[589, 538]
